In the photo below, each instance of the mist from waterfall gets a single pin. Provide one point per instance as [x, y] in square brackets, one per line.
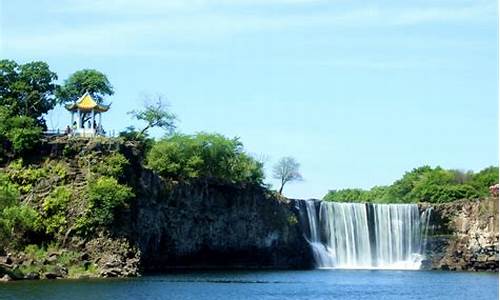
[364, 235]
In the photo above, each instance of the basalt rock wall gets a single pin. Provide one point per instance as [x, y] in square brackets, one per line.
[464, 236]
[211, 225]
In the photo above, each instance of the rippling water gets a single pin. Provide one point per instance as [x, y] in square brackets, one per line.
[314, 284]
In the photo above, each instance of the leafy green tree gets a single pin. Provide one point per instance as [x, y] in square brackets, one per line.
[23, 133]
[204, 156]
[27, 89]
[87, 80]
[286, 170]
[18, 134]
[484, 179]
[155, 115]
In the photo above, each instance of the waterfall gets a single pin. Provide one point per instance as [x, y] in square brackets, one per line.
[364, 235]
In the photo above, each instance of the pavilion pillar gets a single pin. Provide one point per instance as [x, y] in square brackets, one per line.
[93, 120]
[79, 122]
[72, 118]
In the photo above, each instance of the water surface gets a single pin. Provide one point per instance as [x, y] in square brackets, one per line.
[314, 284]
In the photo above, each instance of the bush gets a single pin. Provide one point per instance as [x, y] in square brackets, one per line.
[113, 165]
[105, 197]
[54, 209]
[24, 177]
[207, 156]
[16, 222]
[9, 194]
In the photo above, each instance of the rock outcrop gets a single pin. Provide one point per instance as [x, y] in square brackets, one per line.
[464, 236]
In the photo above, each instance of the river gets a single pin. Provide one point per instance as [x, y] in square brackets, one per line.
[312, 284]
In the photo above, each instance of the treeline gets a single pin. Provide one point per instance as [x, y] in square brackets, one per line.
[424, 184]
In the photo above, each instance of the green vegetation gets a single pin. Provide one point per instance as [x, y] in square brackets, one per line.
[155, 115]
[43, 261]
[27, 90]
[113, 166]
[54, 209]
[105, 196]
[87, 80]
[424, 184]
[26, 93]
[204, 156]
[16, 223]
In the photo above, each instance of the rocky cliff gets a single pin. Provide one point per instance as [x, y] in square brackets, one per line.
[211, 225]
[464, 236]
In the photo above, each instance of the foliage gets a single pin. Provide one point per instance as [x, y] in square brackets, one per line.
[18, 134]
[27, 89]
[71, 260]
[204, 156]
[155, 115]
[347, 195]
[87, 80]
[15, 222]
[26, 94]
[144, 141]
[54, 209]
[9, 194]
[424, 184]
[112, 165]
[24, 177]
[24, 134]
[484, 179]
[105, 197]
[286, 170]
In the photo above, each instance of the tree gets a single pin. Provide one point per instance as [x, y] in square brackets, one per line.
[27, 89]
[18, 133]
[204, 156]
[155, 115]
[87, 80]
[286, 170]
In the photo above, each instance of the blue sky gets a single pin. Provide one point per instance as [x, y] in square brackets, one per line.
[358, 92]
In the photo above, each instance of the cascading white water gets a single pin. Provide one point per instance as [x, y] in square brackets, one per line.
[366, 236]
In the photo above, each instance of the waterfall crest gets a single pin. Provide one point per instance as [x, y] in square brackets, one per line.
[365, 235]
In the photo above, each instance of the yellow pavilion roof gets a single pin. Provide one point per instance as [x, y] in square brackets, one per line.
[87, 103]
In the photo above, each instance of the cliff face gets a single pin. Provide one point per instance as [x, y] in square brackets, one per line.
[212, 225]
[464, 236]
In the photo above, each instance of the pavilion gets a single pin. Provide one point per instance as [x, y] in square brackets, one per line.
[86, 109]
